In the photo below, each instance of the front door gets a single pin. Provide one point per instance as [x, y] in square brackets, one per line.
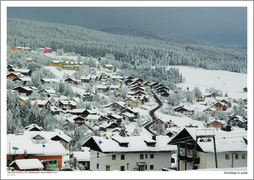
[141, 167]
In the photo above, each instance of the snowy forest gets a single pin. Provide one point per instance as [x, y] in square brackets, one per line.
[132, 47]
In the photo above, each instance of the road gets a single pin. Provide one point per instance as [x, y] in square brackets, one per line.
[151, 113]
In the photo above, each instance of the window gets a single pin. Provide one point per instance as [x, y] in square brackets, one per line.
[113, 157]
[141, 156]
[151, 167]
[243, 156]
[146, 156]
[122, 157]
[227, 156]
[151, 156]
[172, 160]
[107, 167]
[236, 156]
[122, 168]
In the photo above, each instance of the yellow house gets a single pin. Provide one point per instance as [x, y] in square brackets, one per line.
[8, 54]
[22, 100]
[200, 98]
[139, 101]
[132, 103]
[83, 63]
[71, 67]
[56, 63]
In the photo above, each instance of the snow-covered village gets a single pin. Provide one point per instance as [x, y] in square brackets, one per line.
[80, 105]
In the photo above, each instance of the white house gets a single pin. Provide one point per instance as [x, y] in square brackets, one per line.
[230, 148]
[134, 153]
[94, 119]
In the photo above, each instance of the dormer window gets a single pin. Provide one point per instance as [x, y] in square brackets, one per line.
[150, 143]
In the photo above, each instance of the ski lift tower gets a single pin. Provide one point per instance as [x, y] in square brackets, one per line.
[205, 137]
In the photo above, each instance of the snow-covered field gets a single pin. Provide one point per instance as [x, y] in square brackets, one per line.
[58, 73]
[228, 82]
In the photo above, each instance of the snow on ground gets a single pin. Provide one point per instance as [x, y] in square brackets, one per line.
[179, 121]
[58, 73]
[228, 82]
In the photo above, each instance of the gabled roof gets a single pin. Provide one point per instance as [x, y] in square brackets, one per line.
[32, 126]
[72, 79]
[108, 65]
[123, 104]
[225, 141]
[25, 142]
[24, 164]
[62, 136]
[23, 87]
[223, 104]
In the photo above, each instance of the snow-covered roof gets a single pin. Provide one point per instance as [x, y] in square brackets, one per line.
[93, 117]
[56, 61]
[25, 87]
[93, 76]
[40, 102]
[223, 104]
[86, 77]
[114, 86]
[54, 109]
[33, 88]
[15, 73]
[213, 120]
[51, 80]
[50, 91]
[73, 79]
[108, 65]
[82, 156]
[68, 102]
[77, 110]
[25, 142]
[25, 98]
[31, 126]
[21, 70]
[225, 141]
[128, 114]
[24, 164]
[25, 79]
[116, 116]
[101, 87]
[135, 143]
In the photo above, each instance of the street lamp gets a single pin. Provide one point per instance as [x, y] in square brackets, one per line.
[15, 148]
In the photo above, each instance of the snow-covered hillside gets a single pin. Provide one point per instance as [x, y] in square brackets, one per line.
[228, 82]
[61, 73]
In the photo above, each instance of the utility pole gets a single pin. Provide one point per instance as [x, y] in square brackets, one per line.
[195, 152]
